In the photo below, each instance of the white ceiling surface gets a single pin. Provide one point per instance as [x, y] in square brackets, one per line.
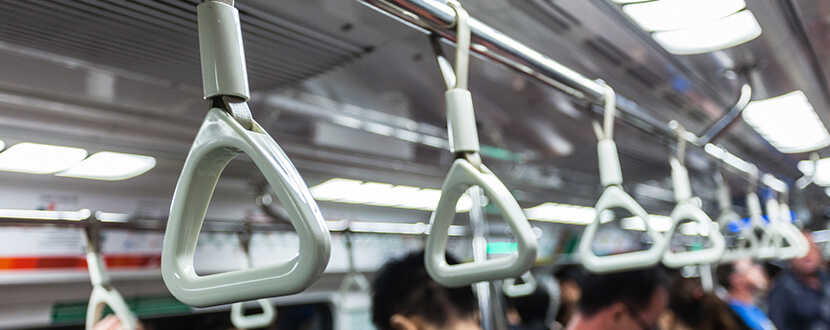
[149, 101]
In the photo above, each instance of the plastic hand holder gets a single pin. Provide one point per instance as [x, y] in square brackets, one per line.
[355, 284]
[101, 296]
[766, 248]
[799, 245]
[463, 175]
[615, 197]
[513, 290]
[686, 211]
[264, 319]
[261, 320]
[749, 251]
[218, 141]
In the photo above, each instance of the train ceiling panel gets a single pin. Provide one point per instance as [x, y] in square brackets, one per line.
[160, 38]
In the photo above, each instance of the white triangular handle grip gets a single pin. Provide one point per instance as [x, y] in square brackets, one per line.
[463, 175]
[686, 211]
[741, 252]
[615, 197]
[219, 140]
[799, 245]
[513, 290]
[766, 242]
[354, 283]
[102, 296]
[727, 216]
[261, 320]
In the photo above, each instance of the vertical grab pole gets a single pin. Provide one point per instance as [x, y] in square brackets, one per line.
[477, 226]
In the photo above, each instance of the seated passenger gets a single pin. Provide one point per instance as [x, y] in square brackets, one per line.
[745, 282]
[621, 301]
[404, 297]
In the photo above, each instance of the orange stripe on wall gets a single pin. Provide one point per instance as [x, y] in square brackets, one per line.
[79, 262]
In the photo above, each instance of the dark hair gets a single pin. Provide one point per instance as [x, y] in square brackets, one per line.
[570, 273]
[533, 307]
[633, 288]
[402, 286]
[724, 273]
[698, 309]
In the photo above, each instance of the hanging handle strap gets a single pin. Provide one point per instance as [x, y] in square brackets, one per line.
[226, 132]
[238, 317]
[102, 292]
[513, 290]
[686, 210]
[355, 290]
[468, 171]
[799, 245]
[614, 196]
[766, 248]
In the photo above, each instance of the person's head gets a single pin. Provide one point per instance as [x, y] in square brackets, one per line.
[810, 263]
[628, 300]
[691, 307]
[404, 297]
[743, 275]
[531, 308]
[568, 278]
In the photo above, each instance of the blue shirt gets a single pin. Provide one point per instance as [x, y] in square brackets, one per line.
[753, 316]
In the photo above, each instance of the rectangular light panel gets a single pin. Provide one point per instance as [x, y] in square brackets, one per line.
[708, 37]
[820, 172]
[788, 122]
[665, 15]
[39, 158]
[110, 166]
[383, 194]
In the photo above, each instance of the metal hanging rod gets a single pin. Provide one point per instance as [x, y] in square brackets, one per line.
[435, 16]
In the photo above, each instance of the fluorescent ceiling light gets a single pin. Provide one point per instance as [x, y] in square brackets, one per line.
[561, 213]
[110, 166]
[45, 215]
[39, 158]
[112, 217]
[383, 194]
[665, 15]
[629, 1]
[773, 182]
[660, 223]
[788, 122]
[723, 33]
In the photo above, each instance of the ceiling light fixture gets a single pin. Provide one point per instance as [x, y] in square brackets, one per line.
[724, 33]
[665, 15]
[110, 166]
[788, 122]
[820, 172]
[383, 194]
[39, 158]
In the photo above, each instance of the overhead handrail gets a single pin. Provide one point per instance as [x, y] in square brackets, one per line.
[238, 317]
[614, 196]
[354, 283]
[687, 210]
[103, 294]
[227, 131]
[467, 170]
[727, 216]
[513, 290]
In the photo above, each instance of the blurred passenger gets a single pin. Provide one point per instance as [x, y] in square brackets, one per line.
[530, 311]
[800, 298]
[404, 297]
[112, 322]
[621, 301]
[744, 282]
[570, 293]
[691, 308]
